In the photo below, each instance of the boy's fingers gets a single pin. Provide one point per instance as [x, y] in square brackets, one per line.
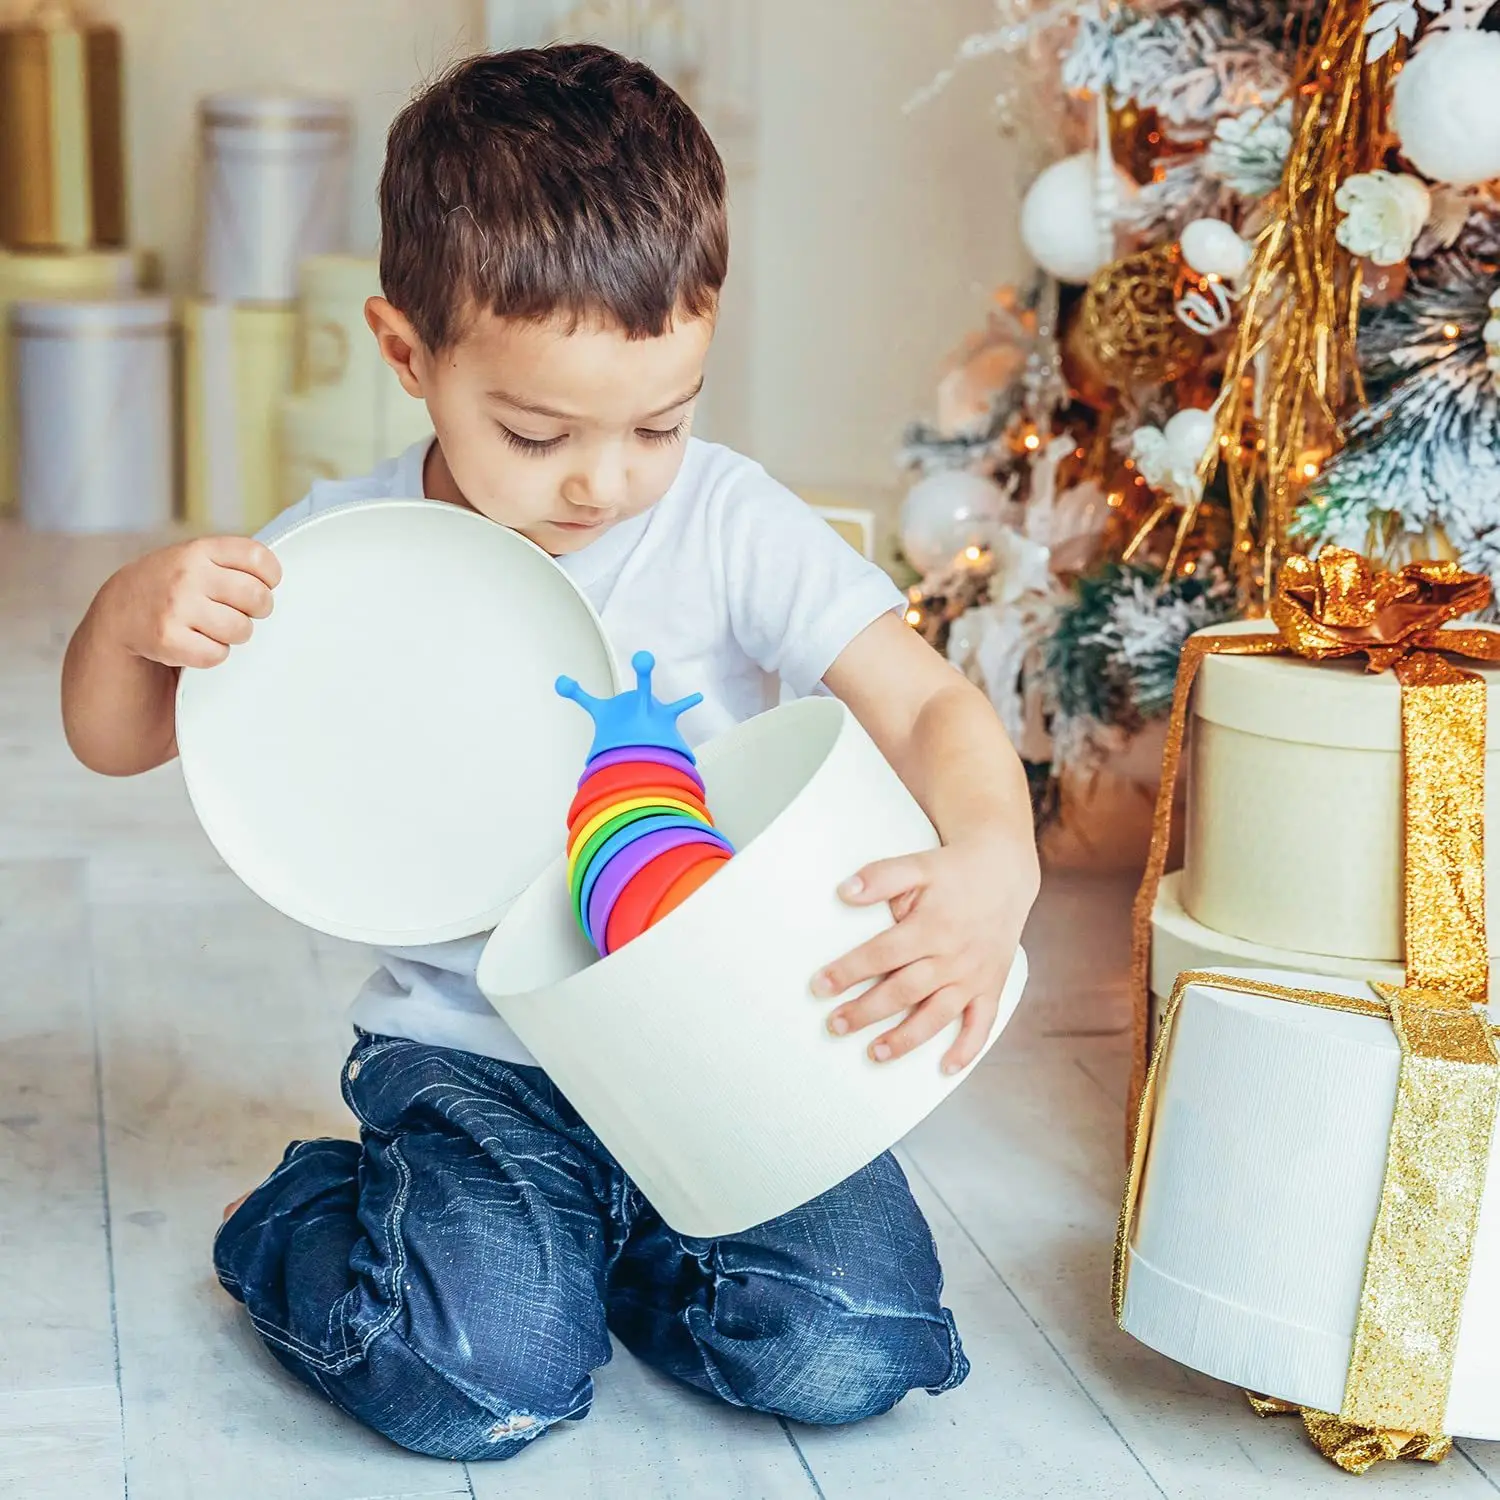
[247, 555]
[241, 591]
[893, 996]
[979, 1019]
[884, 880]
[882, 955]
[924, 1023]
[220, 623]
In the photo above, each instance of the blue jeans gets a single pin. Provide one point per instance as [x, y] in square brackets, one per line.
[452, 1278]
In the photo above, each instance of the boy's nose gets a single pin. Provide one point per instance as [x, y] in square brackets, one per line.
[607, 486]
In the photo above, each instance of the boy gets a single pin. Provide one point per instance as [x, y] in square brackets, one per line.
[554, 242]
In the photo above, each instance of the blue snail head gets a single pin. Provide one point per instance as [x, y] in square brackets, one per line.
[633, 717]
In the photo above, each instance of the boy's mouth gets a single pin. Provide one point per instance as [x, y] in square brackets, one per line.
[581, 526]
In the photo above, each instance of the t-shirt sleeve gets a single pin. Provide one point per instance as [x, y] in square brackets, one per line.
[798, 593]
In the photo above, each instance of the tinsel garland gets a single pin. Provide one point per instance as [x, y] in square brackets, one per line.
[1292, 373]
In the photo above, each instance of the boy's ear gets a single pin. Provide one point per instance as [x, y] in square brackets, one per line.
[399, 346]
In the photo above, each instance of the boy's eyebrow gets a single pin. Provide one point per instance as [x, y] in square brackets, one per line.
[563, 416]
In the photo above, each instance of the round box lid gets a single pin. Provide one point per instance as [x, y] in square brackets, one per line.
[387, 759]
[1337, 703]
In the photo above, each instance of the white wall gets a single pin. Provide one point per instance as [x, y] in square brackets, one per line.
[870, 242]
[878, 235]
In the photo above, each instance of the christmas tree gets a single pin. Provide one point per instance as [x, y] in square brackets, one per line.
[1266, 317]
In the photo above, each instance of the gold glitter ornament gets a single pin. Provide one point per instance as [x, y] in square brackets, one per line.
[1130, 320]
[1417, 1266]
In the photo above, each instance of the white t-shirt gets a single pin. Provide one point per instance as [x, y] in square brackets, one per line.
[736, 587]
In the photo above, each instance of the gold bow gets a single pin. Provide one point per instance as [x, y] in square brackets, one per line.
[1337, 605]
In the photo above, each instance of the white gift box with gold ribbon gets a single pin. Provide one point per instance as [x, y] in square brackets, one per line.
[1248, 1245]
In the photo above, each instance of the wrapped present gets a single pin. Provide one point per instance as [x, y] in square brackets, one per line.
[95, 414]
[1292, 754]
[275, 189]
[79, 274]
[1303, 1211]
[62, 166]
[237, 368]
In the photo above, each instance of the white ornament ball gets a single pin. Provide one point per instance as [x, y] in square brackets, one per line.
[947, 512]
[1189, 432]
[1059, 218]
[1446, 108]
[1212, 248]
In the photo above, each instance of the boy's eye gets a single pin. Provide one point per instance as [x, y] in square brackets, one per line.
[658, 435]
[526, 444]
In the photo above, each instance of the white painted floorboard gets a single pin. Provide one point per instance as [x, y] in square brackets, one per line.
[163, 1035]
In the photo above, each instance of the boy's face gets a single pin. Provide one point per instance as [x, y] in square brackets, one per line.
[557, 434]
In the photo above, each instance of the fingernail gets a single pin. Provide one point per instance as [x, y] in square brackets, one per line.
[822, 986]
[880, 1052]
[951, 1067]
[852, 886]
[838, 1025]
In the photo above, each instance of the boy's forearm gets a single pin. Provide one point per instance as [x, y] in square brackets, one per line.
[119, 709]
[960, 765]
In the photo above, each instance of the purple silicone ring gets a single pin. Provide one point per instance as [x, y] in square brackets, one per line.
[649, 753]
[627, 864]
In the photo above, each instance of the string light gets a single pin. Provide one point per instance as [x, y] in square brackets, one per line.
[1451, 331]
[914, 616]
[1310, 469]
[1031, 442]
[973, 554]
[1115, 499]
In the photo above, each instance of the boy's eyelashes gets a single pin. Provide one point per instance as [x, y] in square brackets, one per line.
[546, 445]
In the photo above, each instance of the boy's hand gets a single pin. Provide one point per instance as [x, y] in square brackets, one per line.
[959, 913]
[186, 605]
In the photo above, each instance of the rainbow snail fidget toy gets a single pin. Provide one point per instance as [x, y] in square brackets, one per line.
[640, 836]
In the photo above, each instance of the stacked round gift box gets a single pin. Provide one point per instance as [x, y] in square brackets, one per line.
[1267, 1133]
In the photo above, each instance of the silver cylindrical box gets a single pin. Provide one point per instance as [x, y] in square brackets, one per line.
[94, 409]
[274, 190]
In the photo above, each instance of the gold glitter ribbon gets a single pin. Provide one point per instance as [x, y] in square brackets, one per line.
[1418, 1264]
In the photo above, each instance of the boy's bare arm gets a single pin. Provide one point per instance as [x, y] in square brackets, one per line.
[960, 909]
[181, 606]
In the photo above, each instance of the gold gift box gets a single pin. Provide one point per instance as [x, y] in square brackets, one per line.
[62, 167]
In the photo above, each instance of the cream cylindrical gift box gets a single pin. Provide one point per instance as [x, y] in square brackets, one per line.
[1178, 944]
[1263, 1176]
[50, 277]
[237, 367]
[708, 1015]
[95, 388]
[317, 442]
[1294, 812]
[275, 189]
[349, 412]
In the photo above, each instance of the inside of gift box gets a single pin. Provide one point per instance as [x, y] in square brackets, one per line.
[753, 774]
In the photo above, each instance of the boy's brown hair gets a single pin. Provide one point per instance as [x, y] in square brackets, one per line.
[564, 180]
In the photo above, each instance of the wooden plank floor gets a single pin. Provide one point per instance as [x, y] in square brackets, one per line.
[163, 1034]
